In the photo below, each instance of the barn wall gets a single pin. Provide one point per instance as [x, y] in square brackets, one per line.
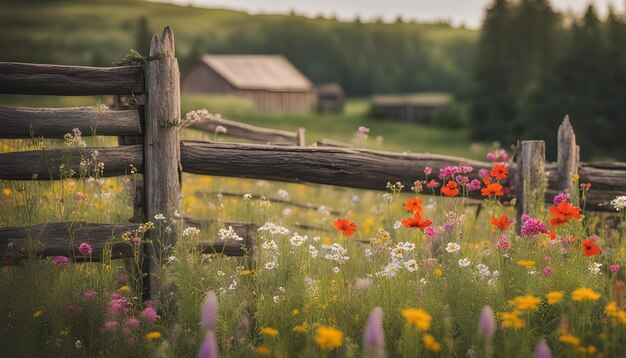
[201, 79]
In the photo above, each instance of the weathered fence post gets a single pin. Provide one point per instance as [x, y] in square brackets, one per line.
[301, 137]
[530, 184]
[567, 157]
[161, 149]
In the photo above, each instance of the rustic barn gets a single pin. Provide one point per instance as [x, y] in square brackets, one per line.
[330, 97]
[416, 108]
[270, 81]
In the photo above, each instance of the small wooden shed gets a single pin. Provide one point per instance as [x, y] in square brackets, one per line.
[330, 97]
[270, 81]
[416, 108]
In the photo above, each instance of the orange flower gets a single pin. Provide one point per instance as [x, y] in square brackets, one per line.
[563, 212]
[415, 206]
[450, 189]
[416, 222]
[347, 227]
[552, 234]
[585, 186]
[487, 180]
[590, 248]
[499, 171]
[502, 223]
[492, 189]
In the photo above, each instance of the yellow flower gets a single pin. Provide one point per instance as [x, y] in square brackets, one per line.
[554, 297]
[512, 320]
[300, 328]
[327, 241]
[38, 313]
[247, 272]
[269, 331]
[153, 335]
[526, 263]
[417, 318]
[124, 288]
[65, 331]
[575, 177]
[590, 349]
[569, 339]
[328, 338]
[438, 272]
[585, 294]
[618, 315]
[431, 343]
[295, 312]
[6, 191]
[264, 350]
[527, 302]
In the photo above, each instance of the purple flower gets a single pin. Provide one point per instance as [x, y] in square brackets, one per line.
[150, 315]
[542, 350]
[208, 349]
[465, 169]
[374, 336]
[85, 249]
[474, 185]
[560, 197]
[428, 171]
[209, 312]
[88, 295]
[61, 260]
[483, 172]
[74, 310]
[462, 180]
[132, 323]
[614, 267]
[525, 217]
[534, 227]
[448, 226]
[547, 271]
[80, 196]
[503, 243]
[487, 322]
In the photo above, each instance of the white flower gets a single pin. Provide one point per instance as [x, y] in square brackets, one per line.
[270, 245]
[79, 344]
[273, 229]
[283, 194]
[411, 265]
[316, 238]
[220, 273]
[287, 212]
[281, 289]
[191, 231]
[464, 262]
[323, 210]
[453, 247]
[391, 269]
[271, 265]
[397, 225]
[247, 196]
[363, 283]
[276, 299]
[107, 196]
[159, 217]
[594, 267]
[619, 202]
[336, 269]
[170, 259]
[298, 239]
[423, 281]
[387, 197]
[312, 251]
[228, 234]
[337, 253]
[368, 252]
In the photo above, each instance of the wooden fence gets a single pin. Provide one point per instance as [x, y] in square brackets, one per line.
[148, 138]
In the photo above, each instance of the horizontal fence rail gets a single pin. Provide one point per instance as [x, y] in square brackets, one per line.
[248, 131]
[56, 122]
[247, 231]
[45, 164]
[40, 79]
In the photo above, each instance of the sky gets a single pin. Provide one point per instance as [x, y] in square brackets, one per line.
[467, 12]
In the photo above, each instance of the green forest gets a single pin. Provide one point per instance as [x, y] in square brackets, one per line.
[514, 79]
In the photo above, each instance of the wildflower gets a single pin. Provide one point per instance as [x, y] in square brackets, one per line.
[547, 271]
[80, 196]
[228, 234]
[132, 323]
[453, 247]
[501, 223]
[503, 243]
[264, 350]
[149, 314]
[208, 312]
[345, 226]
[124, 288]
[512, 320]
[61, 260]
[533, 227]
[416, 222]
[474, 185]
[411, 265]
[569, 339]
[246, 272]
[428, 171]
[417, 318]
[159, 217]
[6, 192]
[585, 294]
[432, 184]
[487, 323]
[431, 343]
[527, 302]
[563, 212]
[450, 189]
[374, 336]
[438, 272]
[614, 267]
[300, 328]
[526, 263]
[430, 231]
[590, 248]
[494, 189]
[247, 196]
[209, 347]
[37, 313]
[270, 245]
[559, 198]
[270, 265]
[298, 239]
[415, 206]
[464, 262]
[336, 269]
[269, 331]
[85, 249]
[78, 344]
[542, 350]
[594, 267]
[191, 232]
[88, 295]
[619, 202]
[328, 338]
[499, 171]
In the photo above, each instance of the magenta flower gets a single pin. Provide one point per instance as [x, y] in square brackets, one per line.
[560, 197]
[492, 157]
[487, 323]
[208, 349]
[503, 244]
[374, 336]
[132, 323]
[74, 310]
[534, 227]
[547, 271]
[61, 260]
[474, 185]
[110, 326]
[80, 196]
[614, 267]
[85, 249]
[137, 240]
[430, 231]
[88, 295]
[483, 172]
[208, 312]
[542, 350]
[150, 315]
[428, 171]
[119, 305]
[364, 130]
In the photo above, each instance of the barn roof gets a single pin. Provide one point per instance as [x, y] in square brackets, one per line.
[258, 72]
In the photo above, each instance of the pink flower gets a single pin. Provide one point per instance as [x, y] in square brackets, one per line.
[61, 260]
[119, 305]
[430, 231]
[560, 197]
[542, 350]
[74, 310]
[492, 157]
[208, 312]
[487, 322]
[483, 172]
[428, 171]
[85, 249]
[88, 295]
[137, 240]
[547, 271]
[364, 130]
[110, 326]
[209, 349]
[374, 336]
[150, 315]
[614, 267]
[132, 323]
[474, 185]
[504, 243]
[80, 196]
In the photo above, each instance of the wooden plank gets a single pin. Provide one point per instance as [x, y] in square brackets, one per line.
[325, 142]
[354, 168]
[43, 79]
[44, 164]
[161, 149]
[248, 131]
[55, 239]
[273, 200]
[56, 122]
[567, 157]
[247, 231]
[530, 182]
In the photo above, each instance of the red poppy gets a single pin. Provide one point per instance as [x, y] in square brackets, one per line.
[432, 184]
[450, 189]
[492, 189]
[502, 223]
[563, 212]
[416, 222]
[415, 206]
[552, 234]
[487, 180]
[347, 227]
[499, 171]
[590, 248]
